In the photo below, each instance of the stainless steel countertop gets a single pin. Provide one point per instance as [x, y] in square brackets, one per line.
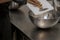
[22, 22]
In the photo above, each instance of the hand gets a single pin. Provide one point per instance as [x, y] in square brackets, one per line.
[35, 3]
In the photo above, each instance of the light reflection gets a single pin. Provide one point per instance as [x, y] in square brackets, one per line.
[46, 17]
[45, 34]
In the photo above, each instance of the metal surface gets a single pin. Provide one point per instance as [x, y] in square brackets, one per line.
[44, 20]
[23, 23]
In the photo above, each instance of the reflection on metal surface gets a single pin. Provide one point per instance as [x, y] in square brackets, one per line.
[45, 34]
[42, 36]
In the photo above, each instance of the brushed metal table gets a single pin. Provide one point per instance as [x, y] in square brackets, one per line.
[22, 22]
